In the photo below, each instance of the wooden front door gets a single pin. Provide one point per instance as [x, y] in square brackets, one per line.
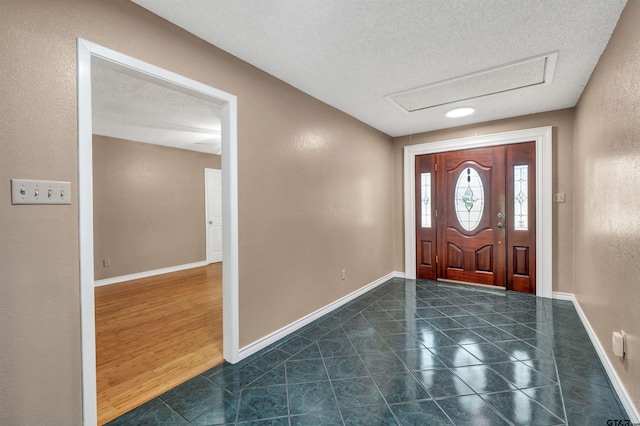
[471, 204]
[475, 220]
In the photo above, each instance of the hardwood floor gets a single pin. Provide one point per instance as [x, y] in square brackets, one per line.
[155, 333]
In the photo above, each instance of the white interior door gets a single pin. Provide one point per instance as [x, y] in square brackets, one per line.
[213, 189]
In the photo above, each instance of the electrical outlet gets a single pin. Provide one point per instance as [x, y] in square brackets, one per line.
[618, 343]
[106, 263]
[26, 191]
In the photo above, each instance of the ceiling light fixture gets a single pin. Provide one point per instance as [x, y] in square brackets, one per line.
[460, 112]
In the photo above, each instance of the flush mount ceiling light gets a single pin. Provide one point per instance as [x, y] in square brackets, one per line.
[460, 112]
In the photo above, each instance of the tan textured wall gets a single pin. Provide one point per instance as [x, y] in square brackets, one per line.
[607, 183]
[315, 190]
[562, 122]
[149, 209]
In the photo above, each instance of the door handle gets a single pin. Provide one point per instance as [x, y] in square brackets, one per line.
[210, 222]
[499, 224]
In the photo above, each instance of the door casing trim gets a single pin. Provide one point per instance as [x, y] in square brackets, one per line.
[86, 53]
[542, 136]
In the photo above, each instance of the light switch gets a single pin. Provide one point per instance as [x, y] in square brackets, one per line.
[558, 197]
[27, 191]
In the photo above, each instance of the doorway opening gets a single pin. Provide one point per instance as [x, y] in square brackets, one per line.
[542, 137]
[91, 54]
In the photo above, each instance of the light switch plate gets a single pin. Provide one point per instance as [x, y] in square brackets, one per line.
[27, 191]
[559, 197]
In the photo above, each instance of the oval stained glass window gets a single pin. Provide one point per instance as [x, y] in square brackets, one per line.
[469, 198]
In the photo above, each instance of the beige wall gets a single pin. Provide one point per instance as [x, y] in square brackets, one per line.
[148, 206]
[607, 206]
[315, 193]
[562, 122]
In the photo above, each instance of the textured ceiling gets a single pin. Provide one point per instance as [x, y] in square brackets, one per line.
[131, 106]
[356, 54]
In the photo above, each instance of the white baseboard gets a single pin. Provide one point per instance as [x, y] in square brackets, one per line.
[262, 343]
[564, 296]
[633, 413]
[146, 274]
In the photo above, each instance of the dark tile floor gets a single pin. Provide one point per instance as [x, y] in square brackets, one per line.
[409, 353]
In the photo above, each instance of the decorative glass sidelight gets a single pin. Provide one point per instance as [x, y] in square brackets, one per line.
[425, 196]
[521, 197]
[469, 198]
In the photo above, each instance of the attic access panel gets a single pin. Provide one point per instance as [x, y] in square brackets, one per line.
[505, 78]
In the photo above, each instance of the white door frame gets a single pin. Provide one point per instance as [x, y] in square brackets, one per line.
[88, 52]
[207, 194]
[544, 243]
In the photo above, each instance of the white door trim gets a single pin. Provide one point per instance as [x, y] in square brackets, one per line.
[543, 139]
[88, 52]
